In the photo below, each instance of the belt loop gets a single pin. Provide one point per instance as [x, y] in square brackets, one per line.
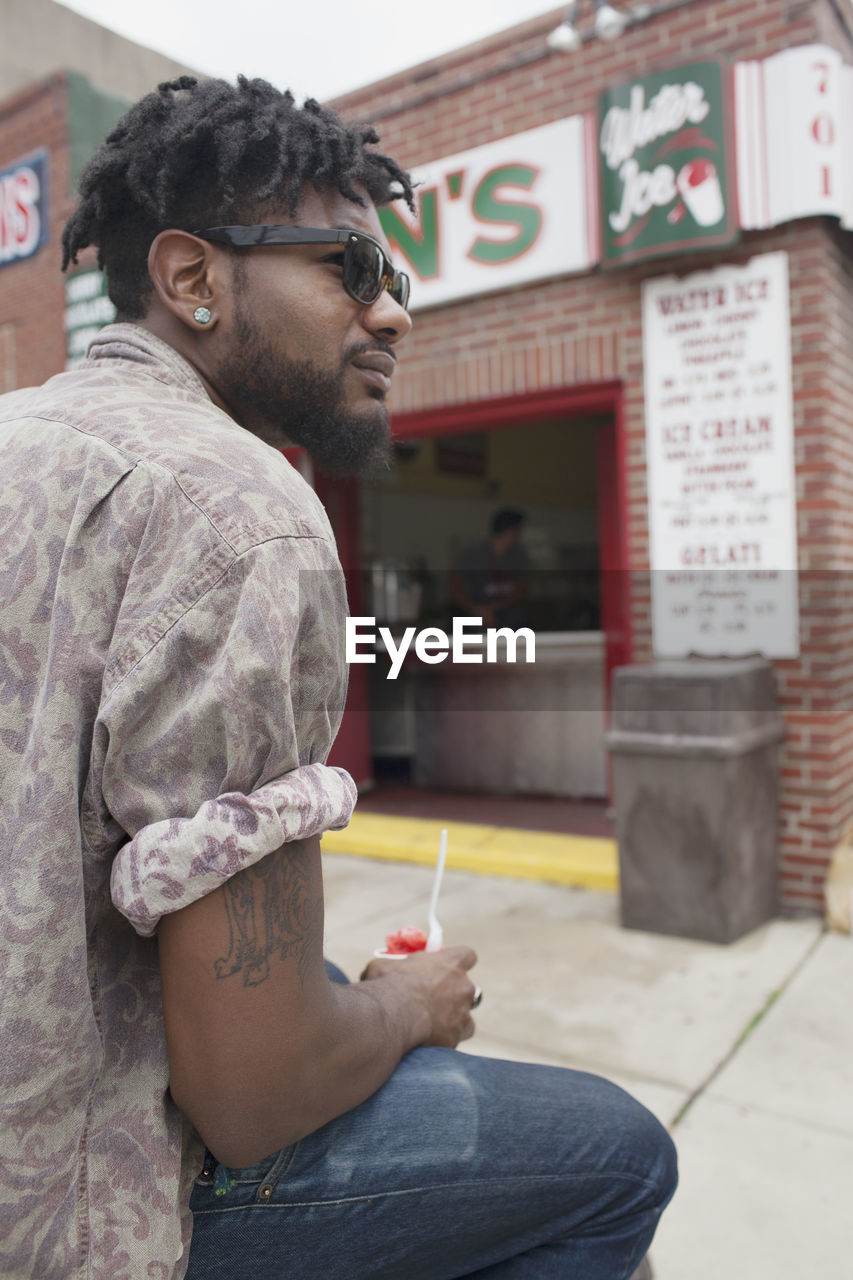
[275, 1171]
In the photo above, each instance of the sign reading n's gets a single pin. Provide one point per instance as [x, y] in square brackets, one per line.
[500, 215]
[23, 208]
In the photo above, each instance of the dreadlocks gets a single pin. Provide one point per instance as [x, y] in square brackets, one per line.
[199, 154]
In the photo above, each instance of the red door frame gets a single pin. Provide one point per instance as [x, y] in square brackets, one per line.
[602, 399]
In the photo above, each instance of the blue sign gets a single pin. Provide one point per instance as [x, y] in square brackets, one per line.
[23, 208]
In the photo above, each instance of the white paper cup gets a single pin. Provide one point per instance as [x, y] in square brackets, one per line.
[699, 187]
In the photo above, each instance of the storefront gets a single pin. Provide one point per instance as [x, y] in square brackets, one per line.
[48, 131]
[633, 295]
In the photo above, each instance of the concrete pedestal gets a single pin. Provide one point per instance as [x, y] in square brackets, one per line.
[694, 746]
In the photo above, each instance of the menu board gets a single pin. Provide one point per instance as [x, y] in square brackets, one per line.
[720, 457]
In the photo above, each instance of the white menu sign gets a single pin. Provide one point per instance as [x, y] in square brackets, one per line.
[720, 456]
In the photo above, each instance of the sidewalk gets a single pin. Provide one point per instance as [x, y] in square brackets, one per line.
[745, 1052]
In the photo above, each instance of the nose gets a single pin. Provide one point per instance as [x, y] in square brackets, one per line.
[385, 318]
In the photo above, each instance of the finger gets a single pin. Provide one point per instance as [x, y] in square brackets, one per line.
[468, 1029]
[375, 969]
[465, 956]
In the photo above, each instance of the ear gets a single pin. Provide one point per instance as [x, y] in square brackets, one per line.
[186, 274]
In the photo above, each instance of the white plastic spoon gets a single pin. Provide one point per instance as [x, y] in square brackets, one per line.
[435, 937]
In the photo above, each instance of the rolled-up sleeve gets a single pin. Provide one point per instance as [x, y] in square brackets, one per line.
[172, 863]
[217, 737]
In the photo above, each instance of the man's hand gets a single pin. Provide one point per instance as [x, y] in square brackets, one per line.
[437, 981]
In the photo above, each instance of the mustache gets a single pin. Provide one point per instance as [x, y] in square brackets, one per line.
[363, 348]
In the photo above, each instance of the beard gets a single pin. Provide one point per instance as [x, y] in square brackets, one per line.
[294, 402]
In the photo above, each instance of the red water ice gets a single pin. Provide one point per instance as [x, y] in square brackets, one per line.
[698, 171]
[405, 940]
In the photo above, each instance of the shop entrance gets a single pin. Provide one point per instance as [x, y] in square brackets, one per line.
[555, 458]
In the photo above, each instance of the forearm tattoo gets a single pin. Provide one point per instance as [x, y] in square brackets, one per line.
[271, 911]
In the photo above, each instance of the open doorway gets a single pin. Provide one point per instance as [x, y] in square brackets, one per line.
[556, 458]
[441, 498]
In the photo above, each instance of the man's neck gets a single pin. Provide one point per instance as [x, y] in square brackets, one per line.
[165, 327]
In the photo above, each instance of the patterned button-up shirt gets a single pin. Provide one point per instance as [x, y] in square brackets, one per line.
[171, 679]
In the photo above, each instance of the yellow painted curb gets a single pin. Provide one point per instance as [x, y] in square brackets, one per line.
[589, 861]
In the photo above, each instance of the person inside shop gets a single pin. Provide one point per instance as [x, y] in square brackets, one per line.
[491, 578]
[187, 1088]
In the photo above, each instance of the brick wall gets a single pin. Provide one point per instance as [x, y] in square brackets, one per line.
[32, 299]
[587, 328]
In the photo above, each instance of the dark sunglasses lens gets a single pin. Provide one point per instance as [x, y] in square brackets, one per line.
[400, 289]
[363, 270]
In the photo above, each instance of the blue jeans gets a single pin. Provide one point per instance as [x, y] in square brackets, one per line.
[457, 1166]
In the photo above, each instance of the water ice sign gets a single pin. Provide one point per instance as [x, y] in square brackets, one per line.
[665, 163]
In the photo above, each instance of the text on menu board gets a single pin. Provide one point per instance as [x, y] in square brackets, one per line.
[719, 437]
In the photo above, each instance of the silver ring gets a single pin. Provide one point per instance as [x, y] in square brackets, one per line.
[478, 995]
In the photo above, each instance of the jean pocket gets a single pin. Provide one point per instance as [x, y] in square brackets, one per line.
[260, 1180]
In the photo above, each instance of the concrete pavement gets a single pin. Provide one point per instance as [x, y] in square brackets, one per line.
[745, 1052]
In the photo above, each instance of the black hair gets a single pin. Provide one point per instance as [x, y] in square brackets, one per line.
[507, 518]
[209, 153]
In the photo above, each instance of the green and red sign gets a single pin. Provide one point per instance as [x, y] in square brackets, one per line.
[497, 216]
[666, 163]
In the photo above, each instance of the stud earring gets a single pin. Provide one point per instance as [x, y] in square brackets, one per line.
[201, 315]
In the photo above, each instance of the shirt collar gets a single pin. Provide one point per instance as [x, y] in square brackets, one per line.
[131, 342]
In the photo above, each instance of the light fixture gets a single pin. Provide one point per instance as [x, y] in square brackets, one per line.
[609, 25]
[609, 22]
[566, 38]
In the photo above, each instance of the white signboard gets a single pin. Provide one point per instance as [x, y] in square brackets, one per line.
[503, 214]
[719, 441]
[794, 127]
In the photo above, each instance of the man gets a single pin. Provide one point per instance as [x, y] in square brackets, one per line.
[490, 579]
[172, 641]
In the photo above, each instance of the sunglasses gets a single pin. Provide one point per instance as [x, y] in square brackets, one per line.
[366, 270]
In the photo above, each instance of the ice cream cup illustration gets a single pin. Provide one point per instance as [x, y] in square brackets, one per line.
[699, 187]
